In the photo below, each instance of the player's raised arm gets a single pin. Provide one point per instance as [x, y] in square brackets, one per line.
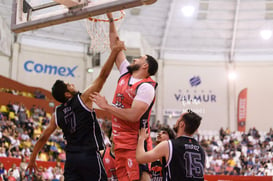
[113, 34]
[161, 150]
[98, 83]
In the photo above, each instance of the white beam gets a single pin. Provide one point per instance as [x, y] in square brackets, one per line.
[166, 29]
[234, 33]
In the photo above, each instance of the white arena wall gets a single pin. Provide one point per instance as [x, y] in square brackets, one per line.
[6, 38]
[209, 85]
[41, 67]
[257, 77]
[5, 66]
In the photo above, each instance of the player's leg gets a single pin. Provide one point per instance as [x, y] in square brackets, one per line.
[70, 168]
[83, 166]
[92, 167]
[121, 163]
[132, 166]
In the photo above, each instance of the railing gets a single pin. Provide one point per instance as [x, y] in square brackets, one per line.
[8, 161]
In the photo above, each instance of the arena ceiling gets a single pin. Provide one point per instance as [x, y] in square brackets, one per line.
[217, 27]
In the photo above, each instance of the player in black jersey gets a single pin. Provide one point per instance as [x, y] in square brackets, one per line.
[163, 134]
[185, 158]
[77, 119]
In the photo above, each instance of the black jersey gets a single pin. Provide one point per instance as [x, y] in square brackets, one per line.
[186, 160]
[79, 125]
[156, 171]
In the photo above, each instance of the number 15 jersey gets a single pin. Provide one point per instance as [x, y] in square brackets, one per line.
[186, 160]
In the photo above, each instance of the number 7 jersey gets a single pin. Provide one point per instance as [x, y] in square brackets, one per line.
[186, 160]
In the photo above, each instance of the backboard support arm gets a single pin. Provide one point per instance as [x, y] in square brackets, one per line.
[71, 14]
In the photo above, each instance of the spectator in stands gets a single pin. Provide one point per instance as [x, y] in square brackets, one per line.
[217, 169]
[250, 155]
[22, 117]
[43, 156]
[15, 92]
[45, 122]
[15, 142]
[47, 173]
[11, 177]
[16, 107]
[105, 132]
[22, 107]
[3, 152]
[61, 156]
[25, 151]
[3, 172]
[15, 152]
[213, 142]
[38, 175]
[14, 172]
[10, 107]
[58, 168]
[38, 94]
[222, 134]
[25, 136]
[1, 116]
[54, 150]
[236, 170]
[153, 127]
[158, 125]
[42, 112]
[37, 132]
[23, 164]
[5, 141]
[34, 112]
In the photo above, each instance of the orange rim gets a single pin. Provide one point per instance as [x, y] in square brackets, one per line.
[122, 14]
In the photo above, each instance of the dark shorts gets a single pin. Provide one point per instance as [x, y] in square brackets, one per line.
[84, 166]
[144, 168]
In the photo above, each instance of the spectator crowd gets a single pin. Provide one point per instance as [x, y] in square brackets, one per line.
[227, 153]
[19, 130]
[36, 94]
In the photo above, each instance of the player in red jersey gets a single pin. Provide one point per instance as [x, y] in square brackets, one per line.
[108, 158]
[133, 101]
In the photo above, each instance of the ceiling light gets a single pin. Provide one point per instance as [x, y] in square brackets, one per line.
[90, 70]
[232, 75]
[266, 34]
[188, 11]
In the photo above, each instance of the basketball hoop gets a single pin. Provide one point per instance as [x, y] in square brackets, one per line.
[98, 30]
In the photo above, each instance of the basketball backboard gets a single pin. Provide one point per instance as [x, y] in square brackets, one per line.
[34, 14]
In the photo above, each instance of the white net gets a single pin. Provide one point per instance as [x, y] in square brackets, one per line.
[98, 30]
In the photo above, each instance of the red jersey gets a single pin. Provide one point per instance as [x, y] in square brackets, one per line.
[125, 133]
[109, 164]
